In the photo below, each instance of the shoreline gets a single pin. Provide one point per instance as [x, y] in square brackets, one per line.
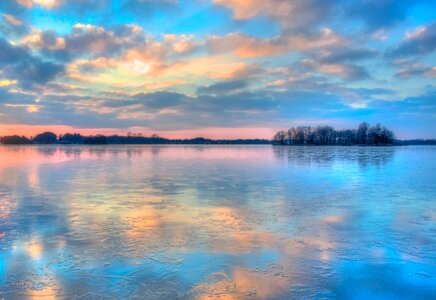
[222, 144]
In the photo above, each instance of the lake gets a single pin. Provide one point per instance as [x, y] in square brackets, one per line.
[217, 222]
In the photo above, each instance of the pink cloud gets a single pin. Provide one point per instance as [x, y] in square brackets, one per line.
[248, 46]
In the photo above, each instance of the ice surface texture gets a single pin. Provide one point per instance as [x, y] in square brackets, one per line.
[217, 222]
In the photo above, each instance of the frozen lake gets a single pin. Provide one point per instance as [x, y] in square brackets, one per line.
[217, 222]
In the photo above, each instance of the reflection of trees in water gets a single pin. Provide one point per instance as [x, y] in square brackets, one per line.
[376, 156]
[47, 150]
[364, 156]
[71, 152]
[97, 151]
[155, 150]
[128, 151]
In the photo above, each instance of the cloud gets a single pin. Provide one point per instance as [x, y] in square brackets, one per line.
[12, 20]
[85, 40]
[345, 71]
[25, 3]
[416, 69]
[95, 41]
[418, 112]
[249, 9]
[261, 107]
[204, 104]
[7, 82]
[181, 43]
[169, 110]
[8, 96]
[158, 100]
[48, 4]
[421, 41]
[131, 66]
[20, 64]
[292, 15]
[223, 87]
[45, 40]
[344, 54]
[301, 78]
[247, 46]
[135, 67]
[12, 26]
[339, 61]
[309, 15]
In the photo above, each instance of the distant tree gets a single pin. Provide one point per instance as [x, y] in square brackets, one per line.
[280, 138]
[346, 137]
[388, 136]
[69, 138]
[379, 135]
[417, 142]
[362, 132]
[310, 135]
[96, 140]
[300, 135]
[324, 135]
[14, 140]
[132, 139]
[45, 138]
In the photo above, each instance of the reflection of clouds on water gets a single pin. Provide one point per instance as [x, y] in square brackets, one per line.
[243, 283]
[211, 222]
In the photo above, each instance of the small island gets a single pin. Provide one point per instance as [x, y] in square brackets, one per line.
[365, 134]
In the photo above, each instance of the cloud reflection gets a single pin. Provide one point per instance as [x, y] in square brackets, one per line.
[212, 222]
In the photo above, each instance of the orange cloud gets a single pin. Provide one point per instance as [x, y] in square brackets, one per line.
[147, 67]
[47, 3]
[164, 84]
[181, 43]
[215, 66]
[245, 9]
[44, 3]
[26, 3]
[243, 283]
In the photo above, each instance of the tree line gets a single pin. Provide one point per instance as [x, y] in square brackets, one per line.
[365, 134]
[76, 138]
[303, 135]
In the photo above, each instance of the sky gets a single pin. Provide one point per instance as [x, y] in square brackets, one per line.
[216, 68]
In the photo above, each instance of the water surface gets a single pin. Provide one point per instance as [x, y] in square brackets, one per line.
[217, 222]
